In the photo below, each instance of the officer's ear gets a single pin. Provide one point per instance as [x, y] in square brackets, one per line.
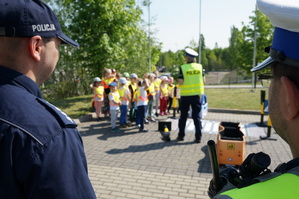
[35, 47]
[291, 98]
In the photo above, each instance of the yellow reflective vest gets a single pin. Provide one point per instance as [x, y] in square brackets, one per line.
[115, 97]
[157, 84]
[279, 187]
[134, 88]
[151, 89]
[193, 80]
[170, 89]
[140, 96]
[99, 91]
[121, 92]
[164, 90]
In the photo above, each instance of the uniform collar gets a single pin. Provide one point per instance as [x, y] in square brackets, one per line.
[12, 77]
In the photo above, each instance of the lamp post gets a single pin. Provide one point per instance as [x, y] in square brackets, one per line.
[149, 36]
[199, 42]
[254, 49]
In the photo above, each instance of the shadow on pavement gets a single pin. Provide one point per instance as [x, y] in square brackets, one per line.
[204, 165]
[148, 147]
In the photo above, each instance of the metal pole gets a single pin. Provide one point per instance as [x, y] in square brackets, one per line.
[149, 37]
[199, 42]
[254, 49]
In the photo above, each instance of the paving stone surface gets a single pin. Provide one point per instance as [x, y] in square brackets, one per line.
[130, 164]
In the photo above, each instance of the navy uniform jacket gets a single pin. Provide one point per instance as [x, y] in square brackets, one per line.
[41, 151]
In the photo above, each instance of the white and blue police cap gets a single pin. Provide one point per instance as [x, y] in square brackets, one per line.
[284, 15]
[190, 52]
[27, 18]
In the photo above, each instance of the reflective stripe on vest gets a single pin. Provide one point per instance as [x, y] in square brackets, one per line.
[170, 88]
[151, 89]
[115, 97]
[282, 186]
[141, 97]
[193, 80]
[122, 94]
[99, 92]
[164, 90]
[134, 87]
[107, 81]
[157, 84]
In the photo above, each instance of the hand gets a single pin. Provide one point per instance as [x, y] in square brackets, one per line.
[211, 191]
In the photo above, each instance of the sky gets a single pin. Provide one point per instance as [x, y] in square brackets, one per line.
[176, 22]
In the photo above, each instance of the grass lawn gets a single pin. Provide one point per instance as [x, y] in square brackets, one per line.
[75, 106]
[241, 99]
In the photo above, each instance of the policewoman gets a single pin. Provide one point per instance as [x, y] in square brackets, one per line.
[283, 62]
[191, 84]
[41, 150]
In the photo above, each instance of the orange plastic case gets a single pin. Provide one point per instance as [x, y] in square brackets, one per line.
[230, 144]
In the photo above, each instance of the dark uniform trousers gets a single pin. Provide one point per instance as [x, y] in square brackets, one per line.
[186, 102]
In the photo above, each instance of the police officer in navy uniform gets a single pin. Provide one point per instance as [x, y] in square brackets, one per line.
[283, 62]
[41, 150]
[191, 84]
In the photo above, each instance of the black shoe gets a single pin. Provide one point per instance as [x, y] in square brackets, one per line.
[179, 139]
[152, 120]
[99, 119]
[197, 141]
[143, 130]
[123, 126]
[157, 115]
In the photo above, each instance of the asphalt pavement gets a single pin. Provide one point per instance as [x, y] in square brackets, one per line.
[129, 164]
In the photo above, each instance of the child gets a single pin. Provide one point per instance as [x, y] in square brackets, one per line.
[171, 87]
[141, 98]
[157, 84]
[114, 103]
[107, 79]
[98, 98]
[151, 97]
[163, 95]
[133, 87]
[178, 96]
[125, 96]
[127, 76]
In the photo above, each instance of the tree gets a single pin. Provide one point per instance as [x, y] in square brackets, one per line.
[242, 42]
[110, 34]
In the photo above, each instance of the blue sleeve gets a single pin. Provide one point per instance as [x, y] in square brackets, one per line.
[57, 170]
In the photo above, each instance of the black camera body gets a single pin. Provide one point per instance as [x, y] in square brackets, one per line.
[255, 165]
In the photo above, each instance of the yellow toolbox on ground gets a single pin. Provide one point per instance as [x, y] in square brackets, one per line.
[230, 144]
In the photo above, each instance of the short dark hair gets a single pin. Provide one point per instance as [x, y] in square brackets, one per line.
[47, 39]
[280, 69]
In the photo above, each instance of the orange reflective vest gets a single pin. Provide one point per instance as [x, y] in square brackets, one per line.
[107, 81]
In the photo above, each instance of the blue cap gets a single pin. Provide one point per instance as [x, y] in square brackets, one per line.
[113, 84]
[28, 18]
[284, 15]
